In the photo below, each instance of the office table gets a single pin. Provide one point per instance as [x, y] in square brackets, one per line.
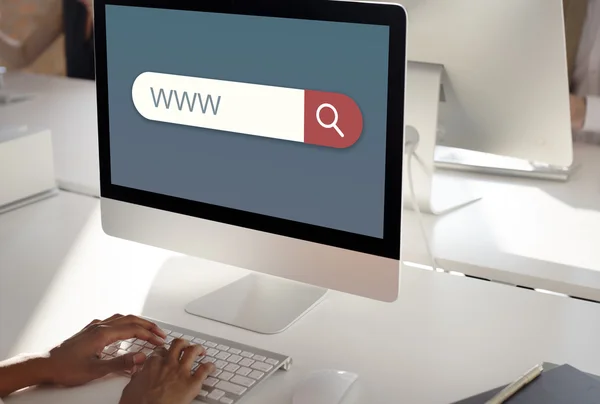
[447, 337]
[534, 233]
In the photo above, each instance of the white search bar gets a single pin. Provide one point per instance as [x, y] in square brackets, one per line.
[306, 116]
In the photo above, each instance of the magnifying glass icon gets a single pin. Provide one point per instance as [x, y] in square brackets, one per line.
[335, 119]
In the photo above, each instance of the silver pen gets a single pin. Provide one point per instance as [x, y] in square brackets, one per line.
[517, 385]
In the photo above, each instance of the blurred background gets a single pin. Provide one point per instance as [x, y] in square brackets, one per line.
[32, 36]
[50, 37]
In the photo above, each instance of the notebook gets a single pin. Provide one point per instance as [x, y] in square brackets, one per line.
[556, 385]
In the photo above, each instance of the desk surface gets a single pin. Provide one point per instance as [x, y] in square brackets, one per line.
[533, 233]
[58, 270]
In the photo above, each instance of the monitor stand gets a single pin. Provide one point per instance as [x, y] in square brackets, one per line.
[260, 303]
[426, 86]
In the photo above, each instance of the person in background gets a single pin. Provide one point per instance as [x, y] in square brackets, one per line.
[79, 38]
[164, 377]
[582, 23]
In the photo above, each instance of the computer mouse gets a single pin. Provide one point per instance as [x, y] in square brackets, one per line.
[325, 387]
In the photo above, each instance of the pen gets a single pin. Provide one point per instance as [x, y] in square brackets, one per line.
[517, 385]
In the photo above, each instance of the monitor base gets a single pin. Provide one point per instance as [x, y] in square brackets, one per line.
[426, 85]
[259, 303]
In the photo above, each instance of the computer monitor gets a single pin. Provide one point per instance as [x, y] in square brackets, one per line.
[506, 62]
[487, 76]
[264, 135]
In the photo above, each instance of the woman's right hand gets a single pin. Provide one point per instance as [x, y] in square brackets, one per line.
[166, 377]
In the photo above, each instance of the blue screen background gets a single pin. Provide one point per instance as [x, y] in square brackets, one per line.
[341, 189]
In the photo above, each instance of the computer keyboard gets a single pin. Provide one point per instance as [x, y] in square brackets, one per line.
[239, 368]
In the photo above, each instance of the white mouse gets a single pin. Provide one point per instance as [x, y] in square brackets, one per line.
[324, 387]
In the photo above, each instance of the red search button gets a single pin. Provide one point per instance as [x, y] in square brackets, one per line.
[331, 119]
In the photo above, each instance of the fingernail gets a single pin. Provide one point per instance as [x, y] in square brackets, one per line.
[139, 358]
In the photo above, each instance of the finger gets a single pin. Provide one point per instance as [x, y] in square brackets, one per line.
[110, 334]
[149, 325]
[177, 346]
[121, 363]
[203, 371]
[160, 352]
[190, 354]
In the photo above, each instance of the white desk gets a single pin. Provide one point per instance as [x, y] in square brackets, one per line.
[532, 233]
[535, 233]
[446, 337]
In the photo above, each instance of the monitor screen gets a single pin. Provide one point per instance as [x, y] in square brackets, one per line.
[281, 117]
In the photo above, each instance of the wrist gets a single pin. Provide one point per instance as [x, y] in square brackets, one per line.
[44, 369]
[24, 371]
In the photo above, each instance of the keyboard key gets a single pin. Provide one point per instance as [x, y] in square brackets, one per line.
[203, 393]
[216, 373]
[169, 339]
[272, 362]
[166, 331]
[231, 367]
[110, 350]
[175, 334]
[234, 359]
[244, 381]
[243, 371]
[198, 341]
[256, 375]
[246, 362]
[226, 376]
[211, 352]
[199, 359]
[222, 355]
[195, 367]
[207, 360]
[247, 354]
[220, 364]
[146, 351]
[222, 347]
[135, 348]
[188, 338]
[263, 367]
[139, 342]
[216, 394]
[231, 388]
[126, 345]
[259, 358]
[226, 400]
[120, 352]
[211, 382]
[235, 351]
[149, 345]
[210, 344]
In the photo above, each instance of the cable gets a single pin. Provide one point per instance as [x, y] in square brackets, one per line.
[411, 152]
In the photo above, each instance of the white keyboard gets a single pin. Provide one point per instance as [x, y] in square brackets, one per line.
[240, 368]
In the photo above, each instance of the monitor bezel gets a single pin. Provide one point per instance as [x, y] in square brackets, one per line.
[391, 15]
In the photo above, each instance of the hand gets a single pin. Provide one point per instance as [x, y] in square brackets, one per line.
[578, 111]
[77, 360]
[166, 377]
